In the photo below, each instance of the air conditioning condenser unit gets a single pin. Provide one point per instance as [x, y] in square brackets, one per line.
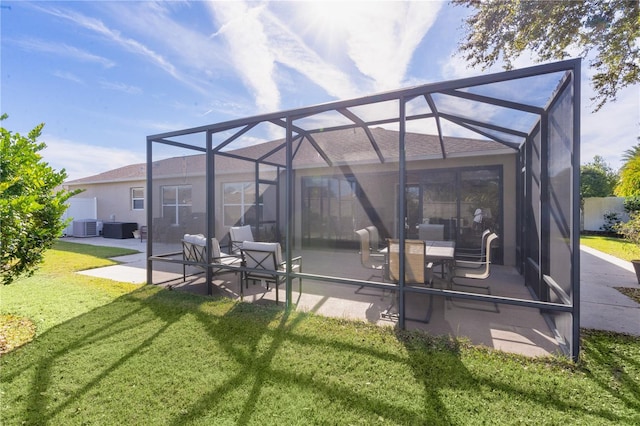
[85, 228]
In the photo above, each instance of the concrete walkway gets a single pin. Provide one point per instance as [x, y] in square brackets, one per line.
[602, 306]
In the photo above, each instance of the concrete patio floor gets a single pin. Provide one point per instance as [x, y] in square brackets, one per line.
[507, 328]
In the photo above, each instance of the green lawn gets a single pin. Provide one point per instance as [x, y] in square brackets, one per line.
[614, 246]
[123, 354]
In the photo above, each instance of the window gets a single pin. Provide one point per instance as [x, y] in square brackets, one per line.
[238, 203]
[137, 198]
[176, 203]
[329, 208]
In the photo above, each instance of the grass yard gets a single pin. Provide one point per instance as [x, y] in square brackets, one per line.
[142, 355]
[617, 247]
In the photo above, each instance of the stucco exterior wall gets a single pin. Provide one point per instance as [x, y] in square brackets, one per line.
[114, 201]
[380, 187]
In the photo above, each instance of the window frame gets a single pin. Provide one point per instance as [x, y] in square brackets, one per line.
[177, 205]
[134, 198]
[247, 201]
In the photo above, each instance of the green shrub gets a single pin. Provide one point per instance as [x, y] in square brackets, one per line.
[632, 204]
[631, 230]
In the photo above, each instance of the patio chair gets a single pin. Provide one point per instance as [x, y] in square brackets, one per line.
[430, 232]
[237, 235]
[372, 261]
[416, 270]
[143, 232]
[474, 254]
[264, 263]
[374, 238]
[475, 270]
[194, 250]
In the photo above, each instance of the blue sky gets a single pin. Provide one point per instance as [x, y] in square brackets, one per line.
[102, 75]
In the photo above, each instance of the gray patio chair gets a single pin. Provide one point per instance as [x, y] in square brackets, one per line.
[264, 262]
[375, 262]
[238, 234]
[430, 232]
[474, 254]
[475, 270]
[374, 238]
[372, 261]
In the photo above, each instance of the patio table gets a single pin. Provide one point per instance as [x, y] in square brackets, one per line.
[443, 253]
[436, 252]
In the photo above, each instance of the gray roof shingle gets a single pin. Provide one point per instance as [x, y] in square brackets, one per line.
[341, 146]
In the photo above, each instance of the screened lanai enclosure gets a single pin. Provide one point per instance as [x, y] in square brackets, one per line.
[496, 153]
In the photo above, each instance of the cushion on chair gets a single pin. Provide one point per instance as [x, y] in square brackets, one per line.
[220, 257]
[195, 239]
[215, 248]
[241, 233]
[255, 245]
[199, 240]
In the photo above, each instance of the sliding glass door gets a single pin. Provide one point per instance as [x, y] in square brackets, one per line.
[329, 210]
[480, 204]
[464, 201]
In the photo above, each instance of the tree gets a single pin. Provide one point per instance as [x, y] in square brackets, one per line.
[597, 179]
[505, 29]
[31, 206]
[629, 185]
[630, 153]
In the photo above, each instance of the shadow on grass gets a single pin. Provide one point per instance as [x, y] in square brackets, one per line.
[156, 356]
[610, 365]
[265, 374]
[178, 358]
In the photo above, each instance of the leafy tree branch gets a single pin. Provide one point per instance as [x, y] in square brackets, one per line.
[503, 30]
[31, 203]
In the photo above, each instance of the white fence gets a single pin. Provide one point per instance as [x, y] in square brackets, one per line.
[596, 208]
[80, 208]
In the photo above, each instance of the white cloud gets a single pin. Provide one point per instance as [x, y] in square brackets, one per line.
[68, 76]
[129, 44]
[120, 87]
[380, 40]
[82, 160]
[252, 56]
[383, 36]
[290, 50]
[62, 49]
[195, 52]
[613, 129]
